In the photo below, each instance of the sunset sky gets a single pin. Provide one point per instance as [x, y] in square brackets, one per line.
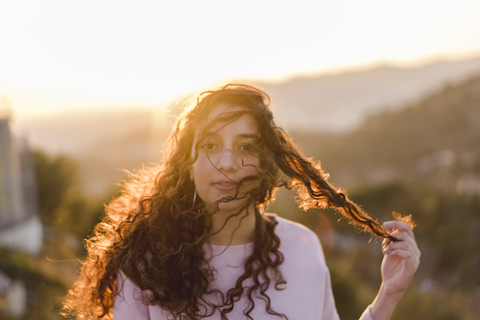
[61, 55]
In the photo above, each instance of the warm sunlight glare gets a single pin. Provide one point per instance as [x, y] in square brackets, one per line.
[59, 55]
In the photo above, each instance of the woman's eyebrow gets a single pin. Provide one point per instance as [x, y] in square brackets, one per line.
[249, 136]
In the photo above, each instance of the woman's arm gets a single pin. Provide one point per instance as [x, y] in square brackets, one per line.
[399, 264]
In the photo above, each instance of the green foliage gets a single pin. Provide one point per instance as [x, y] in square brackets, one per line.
[448, 226]
[55, 177]
[63, 204]
[18, 265]
[346, 297]
[45, 285]
[451, 304]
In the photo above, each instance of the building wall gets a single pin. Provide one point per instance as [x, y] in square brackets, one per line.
[20, 225]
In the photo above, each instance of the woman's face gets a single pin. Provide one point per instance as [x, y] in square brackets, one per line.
[226, 156]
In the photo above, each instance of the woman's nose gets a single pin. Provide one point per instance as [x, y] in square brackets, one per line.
[228, 161]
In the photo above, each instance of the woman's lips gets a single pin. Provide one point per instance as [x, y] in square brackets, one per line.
[225, 185]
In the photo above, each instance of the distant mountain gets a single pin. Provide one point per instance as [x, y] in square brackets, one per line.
[436, 139]
[108, 140]
[340, 102]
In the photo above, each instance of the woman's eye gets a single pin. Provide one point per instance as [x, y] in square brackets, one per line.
[246, 147]
[209, 146]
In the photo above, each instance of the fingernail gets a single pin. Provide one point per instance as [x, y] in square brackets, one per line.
[386, 223]
[389, 252]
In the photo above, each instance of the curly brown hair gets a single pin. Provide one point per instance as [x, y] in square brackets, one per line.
[155, 230]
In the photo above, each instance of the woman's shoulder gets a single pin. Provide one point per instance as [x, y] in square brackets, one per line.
[293, 232]
[297, 241]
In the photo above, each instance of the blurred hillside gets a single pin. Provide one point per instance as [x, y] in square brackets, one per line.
[341, 102]
[435, 139]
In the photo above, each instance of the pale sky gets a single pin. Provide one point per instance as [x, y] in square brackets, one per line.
[56, 55]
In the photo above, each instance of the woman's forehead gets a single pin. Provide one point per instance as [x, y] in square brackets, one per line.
[224, 109]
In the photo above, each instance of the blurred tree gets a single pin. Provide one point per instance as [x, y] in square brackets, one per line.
[56, 176]
[63, 205]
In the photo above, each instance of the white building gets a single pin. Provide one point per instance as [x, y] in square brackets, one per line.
[20, 224]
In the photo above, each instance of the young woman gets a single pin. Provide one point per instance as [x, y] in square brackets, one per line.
[190, 239]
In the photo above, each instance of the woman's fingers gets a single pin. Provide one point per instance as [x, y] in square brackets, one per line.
[406, 247]
[400, 230]
[401, 226]
[403, 236]
[401, 245]
[410, 259]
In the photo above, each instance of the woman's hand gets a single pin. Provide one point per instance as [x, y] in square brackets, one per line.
[399, 264]
[401, 258]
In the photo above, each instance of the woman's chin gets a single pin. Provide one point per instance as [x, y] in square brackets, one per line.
[231, 206]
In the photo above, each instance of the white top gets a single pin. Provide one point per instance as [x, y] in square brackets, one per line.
[307, 294]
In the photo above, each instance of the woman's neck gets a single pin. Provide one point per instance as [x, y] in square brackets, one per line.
[239, 229]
